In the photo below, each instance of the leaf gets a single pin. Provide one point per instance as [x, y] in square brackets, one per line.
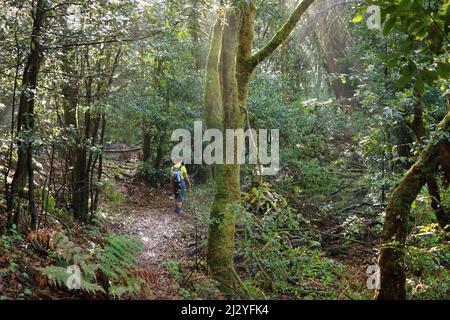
[403, 81]
[357, 18]
[429, 76]
[388, 24]
[420, 85]
[405, 5]
[443, 70]
[392, 61]
[410, 68]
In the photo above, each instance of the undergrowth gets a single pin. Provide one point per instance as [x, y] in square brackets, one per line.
[110, 269]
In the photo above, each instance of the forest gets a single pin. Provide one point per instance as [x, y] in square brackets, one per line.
[332, 184]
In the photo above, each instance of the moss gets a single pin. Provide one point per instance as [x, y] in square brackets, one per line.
[222, 227]
[229, 69]
[221, 111]
[391, 261]
[212, 98]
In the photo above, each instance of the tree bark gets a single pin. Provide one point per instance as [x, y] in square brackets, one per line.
[146, 147]
[391, 260]
[159, 150]
[100, 163]
[25, 120]
[81, 170]
[230, 65]
[418, 128]
[227, 190]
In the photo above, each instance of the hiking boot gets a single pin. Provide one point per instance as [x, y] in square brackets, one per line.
[177, 210]
[181, 212]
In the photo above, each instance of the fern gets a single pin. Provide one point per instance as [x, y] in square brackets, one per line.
[59, 276]
[71, 254]
[68, 250]
[117, 260]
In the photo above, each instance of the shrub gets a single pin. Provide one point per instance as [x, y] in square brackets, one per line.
[110, 269]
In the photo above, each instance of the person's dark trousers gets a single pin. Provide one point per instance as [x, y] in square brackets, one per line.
[178, 191]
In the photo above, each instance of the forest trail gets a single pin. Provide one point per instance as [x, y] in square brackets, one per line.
[152, 219]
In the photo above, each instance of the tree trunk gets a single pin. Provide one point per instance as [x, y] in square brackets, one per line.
[25, 120]
[229, 67]
[81, 184]
[227, 190]
[100, 163]
[81, 169]
[418, 128]
[146, 147]
[391, 260]
[31, 203]
[70, 90]
[159, 150]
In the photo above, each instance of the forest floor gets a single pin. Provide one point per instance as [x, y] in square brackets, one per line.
[151, 217]
[130, 208]
[169, 242]
[148, 214]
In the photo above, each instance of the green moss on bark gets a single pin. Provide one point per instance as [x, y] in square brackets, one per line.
[391, 260]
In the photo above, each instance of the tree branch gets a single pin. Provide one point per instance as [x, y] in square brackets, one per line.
[116, 40]
[281, 34]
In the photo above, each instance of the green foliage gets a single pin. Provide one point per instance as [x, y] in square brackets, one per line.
[192, 285]
[119, 256]
[109, 190]
[261, 199]
[60, 276]
[312, 176]
[7, 246]
[117, 260]
[66, 253]
[152, 174]
[8, 241]
[424, 29]
[337, 148]
[48, 201]
[275, 253]
[2, 201]
[428, 257]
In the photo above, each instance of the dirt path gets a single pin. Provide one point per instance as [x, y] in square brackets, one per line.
[162, 231]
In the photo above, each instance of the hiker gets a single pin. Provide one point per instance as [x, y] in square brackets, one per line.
[178, 179]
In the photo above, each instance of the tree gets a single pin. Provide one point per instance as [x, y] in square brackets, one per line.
[230, 65]
[391, 260]
[424, 31]
[25, 122]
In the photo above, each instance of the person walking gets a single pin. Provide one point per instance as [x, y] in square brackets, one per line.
[178, 179]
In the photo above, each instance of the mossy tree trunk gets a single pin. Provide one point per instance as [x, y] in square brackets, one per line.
[230, 65]
[391, 260]
[418, 128]
[222, 112]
